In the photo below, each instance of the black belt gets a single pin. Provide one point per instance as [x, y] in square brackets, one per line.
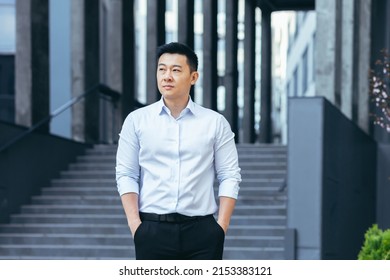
[170, 218]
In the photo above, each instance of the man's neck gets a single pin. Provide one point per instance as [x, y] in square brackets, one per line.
[176, 106]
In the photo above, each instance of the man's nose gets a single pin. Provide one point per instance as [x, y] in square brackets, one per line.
[167, 75]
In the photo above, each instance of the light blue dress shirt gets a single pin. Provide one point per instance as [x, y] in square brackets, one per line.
[171, 163]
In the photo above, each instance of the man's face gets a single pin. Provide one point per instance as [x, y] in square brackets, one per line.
[174, 77]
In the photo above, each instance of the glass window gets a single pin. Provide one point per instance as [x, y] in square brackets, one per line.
[7, 27]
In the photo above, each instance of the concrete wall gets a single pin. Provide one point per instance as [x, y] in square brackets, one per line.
[7, 88]
[30, 164]
[383, 181]
[331, 180]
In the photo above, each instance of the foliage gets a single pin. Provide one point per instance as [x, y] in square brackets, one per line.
[376, 244]
[379, 90]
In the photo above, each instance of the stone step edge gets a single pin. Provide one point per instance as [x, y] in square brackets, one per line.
[249, 217]
[119, 207]
[93, 225]
[124, 247]
[120, 236]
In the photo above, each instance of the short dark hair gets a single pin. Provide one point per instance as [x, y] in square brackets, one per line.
[179, 48]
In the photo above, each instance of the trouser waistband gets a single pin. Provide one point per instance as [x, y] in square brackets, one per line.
[169, 218]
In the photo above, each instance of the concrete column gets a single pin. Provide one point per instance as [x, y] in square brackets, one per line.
[186, 22]
[77, 67]
[343, 56]
[128, 58]
[85, 69]
[32, 89]
[363, 63]
[326, 47]
[111, 70]
[231, 76]
[210, 49]
[348, 63]
[155, 38]
[265, 134]
[249, 74]
[92, 69]
[112, 41]
[186, 26]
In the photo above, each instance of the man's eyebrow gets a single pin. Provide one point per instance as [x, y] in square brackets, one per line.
[175, 65]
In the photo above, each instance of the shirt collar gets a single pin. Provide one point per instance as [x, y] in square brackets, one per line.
[191, 107]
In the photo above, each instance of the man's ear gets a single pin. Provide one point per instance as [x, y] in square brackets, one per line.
[194, 77]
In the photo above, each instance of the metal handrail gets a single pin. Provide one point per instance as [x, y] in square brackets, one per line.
[102, 88]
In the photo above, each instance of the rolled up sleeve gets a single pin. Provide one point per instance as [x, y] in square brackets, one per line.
[226, 161]
[127, 162]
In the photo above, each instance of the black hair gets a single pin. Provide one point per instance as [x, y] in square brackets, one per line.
[179, 48]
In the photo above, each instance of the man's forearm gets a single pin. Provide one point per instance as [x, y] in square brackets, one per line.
[130, 205]
[226, 208]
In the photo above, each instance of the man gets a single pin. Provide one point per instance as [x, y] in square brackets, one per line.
[167, 158]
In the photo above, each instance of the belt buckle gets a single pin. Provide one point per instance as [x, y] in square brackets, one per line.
[171, 218]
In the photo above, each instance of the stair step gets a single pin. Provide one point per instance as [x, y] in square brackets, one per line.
[74, 251]
[121, 219]
[66, 239]
[110, 175]
[111, 182]
[92, 166]
[118, 239]
[250, 157]
[80, 228]
[88, 174]
[267, 148]
[104, 208]
[62, 192]
[76, 200]
[117, 209]
[109, 229]
[78, 252]
[257, 166]
[262, 198]
[95, 200]
[253, 253]
[241, 152]
[110, 167]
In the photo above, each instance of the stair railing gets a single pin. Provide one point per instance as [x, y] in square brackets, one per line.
[107, 93]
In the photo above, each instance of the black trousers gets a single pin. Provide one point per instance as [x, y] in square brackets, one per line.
[198, 239]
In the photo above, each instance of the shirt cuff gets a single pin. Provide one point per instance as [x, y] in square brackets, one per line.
[229, 188]
[127, 185]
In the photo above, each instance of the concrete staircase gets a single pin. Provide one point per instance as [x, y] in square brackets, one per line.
[80, 215]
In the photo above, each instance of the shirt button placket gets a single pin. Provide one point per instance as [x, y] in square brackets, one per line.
[177, 166]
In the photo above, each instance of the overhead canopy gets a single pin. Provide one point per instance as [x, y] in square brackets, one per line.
[282, 5]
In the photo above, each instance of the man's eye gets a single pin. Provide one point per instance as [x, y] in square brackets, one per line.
[161, 69]
[176, 70]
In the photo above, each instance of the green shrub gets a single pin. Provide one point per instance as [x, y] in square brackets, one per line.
[376, 244]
